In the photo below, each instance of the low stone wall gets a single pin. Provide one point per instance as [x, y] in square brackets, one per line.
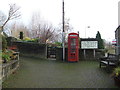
[9, 68]
[30, 49]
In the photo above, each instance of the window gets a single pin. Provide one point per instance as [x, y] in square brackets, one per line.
[73, 45]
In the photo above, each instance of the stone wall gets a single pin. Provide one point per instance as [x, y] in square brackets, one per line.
[31, 49]
[40, 51]
[9, 68]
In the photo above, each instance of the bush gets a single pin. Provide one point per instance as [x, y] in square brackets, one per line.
[10, 40]
[117, 71]
[58, 44]
[4, 43]
[5, 57]
[27, 39]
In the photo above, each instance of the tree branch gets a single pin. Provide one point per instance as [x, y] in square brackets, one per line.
[12, 14]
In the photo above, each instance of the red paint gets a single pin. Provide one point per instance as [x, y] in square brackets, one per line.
[73, 47]
[13, 47]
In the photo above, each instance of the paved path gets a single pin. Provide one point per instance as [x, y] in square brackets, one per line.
[36, 73]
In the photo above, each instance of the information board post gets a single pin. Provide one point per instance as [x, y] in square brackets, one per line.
[94, 54]
[84, 54]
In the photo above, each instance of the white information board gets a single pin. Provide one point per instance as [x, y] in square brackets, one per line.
[89, 44]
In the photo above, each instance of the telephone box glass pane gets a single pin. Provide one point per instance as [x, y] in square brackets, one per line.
[73, 45]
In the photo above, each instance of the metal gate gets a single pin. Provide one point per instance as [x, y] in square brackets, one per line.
[51, 52]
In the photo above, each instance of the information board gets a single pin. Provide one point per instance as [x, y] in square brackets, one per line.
[89, 44]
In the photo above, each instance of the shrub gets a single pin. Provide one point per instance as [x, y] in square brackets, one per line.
[117, 71]
[4, 43]
[27, 39]
[5, 57]
[58, 44]
[10, 40]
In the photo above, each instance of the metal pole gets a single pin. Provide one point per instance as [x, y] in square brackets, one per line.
[63, 33]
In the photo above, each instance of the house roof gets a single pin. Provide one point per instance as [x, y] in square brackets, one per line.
[118, 28]
[89, 39]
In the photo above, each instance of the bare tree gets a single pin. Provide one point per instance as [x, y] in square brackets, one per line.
[13, 13]
[35, 25]
[17, 28]
[2, 18]
[47, 33]
[67, 28]
[41, 29]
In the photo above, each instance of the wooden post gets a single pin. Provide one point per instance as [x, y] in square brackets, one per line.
[94, 53]
[84, 53]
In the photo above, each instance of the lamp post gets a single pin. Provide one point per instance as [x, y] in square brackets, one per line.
[63, 32]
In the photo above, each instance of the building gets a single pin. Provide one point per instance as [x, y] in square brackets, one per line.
[117, 37]
[118, 13]
[117, 32]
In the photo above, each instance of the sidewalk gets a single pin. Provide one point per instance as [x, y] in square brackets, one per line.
[36, 73]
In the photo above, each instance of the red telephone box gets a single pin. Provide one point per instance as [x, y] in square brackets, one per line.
[73, 47]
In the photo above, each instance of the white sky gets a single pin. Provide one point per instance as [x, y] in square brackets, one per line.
[100, 15]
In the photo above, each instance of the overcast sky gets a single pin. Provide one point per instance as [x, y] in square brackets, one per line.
[100, 15]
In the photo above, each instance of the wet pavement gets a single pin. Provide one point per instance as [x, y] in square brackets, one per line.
[39, 73]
